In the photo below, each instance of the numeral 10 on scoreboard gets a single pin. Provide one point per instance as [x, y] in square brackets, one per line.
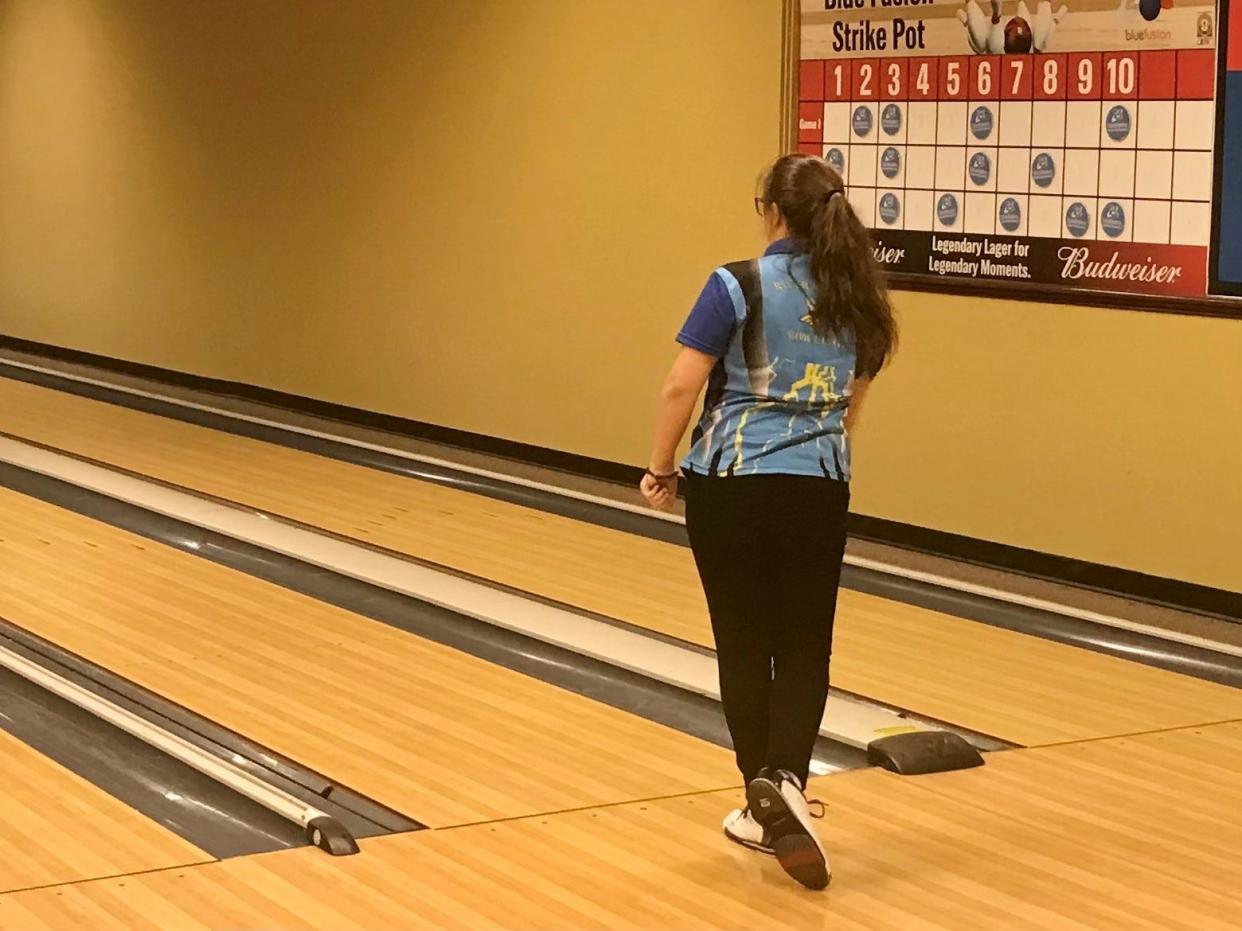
[1074, 76]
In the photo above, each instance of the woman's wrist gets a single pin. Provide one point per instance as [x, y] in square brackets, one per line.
[662, 468]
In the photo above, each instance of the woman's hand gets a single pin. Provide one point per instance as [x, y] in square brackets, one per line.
[659, 490]
[681, 389]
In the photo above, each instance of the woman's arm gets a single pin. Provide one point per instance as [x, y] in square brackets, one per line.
[681, 391]
[859, 394]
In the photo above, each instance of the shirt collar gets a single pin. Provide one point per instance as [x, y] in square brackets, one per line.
[786, 246]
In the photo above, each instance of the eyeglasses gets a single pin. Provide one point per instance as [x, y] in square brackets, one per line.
[760, 206]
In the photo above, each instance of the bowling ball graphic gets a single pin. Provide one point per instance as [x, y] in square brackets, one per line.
[862, 121]
[1149, 9]
[980, 168]
[1010, 214]
[890, 119]
[946, 209]
[981, 123]
[1043, 169]
[1117, 123]
[1113, 219]
[1077, 219]
[1018, 36]
[890, 162]
[890, 208]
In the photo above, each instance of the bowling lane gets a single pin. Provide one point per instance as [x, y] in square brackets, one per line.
[1013, 686]
[434, 733]
[55, 827]
[1060, 839]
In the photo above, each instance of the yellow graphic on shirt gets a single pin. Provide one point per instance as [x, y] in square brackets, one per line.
[738, 455]
[816, 389]
[819, 379]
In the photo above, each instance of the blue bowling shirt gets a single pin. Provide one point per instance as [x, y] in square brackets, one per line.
[777, 398]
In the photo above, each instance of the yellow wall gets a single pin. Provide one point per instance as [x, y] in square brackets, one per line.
[491, 215]
[486, 214]
[1106, 435]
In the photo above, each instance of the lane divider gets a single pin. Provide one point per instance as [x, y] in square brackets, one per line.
[847, 720]
[927, 578]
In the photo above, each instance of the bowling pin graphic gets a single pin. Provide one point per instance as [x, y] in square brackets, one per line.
[964, 18]
[996, 34]
[977, 26]
[1059, 15]
[1041, 24]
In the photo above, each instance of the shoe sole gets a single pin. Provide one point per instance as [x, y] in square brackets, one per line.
[796, 850]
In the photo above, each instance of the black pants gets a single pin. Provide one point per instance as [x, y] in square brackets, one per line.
[769, 551]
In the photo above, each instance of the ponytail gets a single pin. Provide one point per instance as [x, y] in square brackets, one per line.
[851, 298]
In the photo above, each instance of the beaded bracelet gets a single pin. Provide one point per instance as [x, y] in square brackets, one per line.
[662, 478]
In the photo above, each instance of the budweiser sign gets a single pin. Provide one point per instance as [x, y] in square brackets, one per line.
[1157, 269]
[1133, 267]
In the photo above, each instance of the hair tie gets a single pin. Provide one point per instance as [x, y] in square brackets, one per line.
[831, 194]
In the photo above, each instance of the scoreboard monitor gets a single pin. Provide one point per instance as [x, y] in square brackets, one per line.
[1057, 150]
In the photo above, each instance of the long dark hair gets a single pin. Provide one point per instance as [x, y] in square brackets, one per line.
[851, 299]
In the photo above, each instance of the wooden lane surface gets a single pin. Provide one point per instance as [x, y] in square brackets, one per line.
[1173, 795]
[966, 850]
[55, 827]
[1020, 688]
[435, 733]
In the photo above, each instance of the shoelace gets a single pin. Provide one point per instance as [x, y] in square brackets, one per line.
[790, 777]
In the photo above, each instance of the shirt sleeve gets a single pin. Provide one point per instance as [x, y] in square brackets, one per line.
[709, 328]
